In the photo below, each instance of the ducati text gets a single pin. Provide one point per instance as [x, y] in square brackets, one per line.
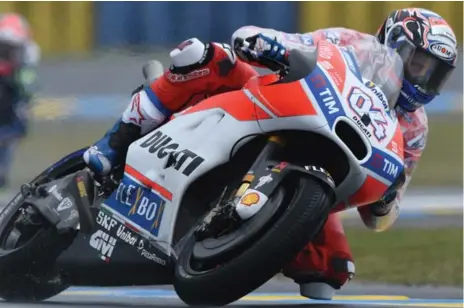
[162, 145]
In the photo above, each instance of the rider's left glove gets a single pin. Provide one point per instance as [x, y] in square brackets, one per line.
[265, 50]
[384, 205]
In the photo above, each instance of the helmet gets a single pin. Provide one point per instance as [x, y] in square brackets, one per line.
[428, 48]
[14, 34]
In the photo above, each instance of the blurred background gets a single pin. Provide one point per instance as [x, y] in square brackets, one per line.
[93, 53]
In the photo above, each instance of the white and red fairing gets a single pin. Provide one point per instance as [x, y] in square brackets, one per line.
[335, 91]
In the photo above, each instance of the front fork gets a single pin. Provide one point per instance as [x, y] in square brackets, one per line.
[265, 175]
[272, 149]
[224, 215]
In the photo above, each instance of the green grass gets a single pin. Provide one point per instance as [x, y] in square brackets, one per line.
[441, 164]
[408, 256]
[50, 141]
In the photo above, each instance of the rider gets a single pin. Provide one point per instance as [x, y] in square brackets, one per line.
[19, 55]
[198, 70]
[427, 46]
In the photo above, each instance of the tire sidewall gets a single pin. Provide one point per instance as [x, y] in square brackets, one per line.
[7, 213]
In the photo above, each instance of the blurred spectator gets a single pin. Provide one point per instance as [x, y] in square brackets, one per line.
[19, 56]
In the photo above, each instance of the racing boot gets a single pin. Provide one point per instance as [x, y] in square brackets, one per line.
[325, 264]
[111, 150]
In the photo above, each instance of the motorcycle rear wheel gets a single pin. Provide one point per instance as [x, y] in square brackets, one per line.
[23, 279]
[304, 205]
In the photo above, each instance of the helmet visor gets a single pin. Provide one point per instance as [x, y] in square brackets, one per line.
[423, 69]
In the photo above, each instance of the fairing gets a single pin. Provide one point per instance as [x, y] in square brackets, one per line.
[162, 165]
[347, 84]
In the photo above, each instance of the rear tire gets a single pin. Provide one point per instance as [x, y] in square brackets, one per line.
[27, 272]
[308, 209]
[26, 289]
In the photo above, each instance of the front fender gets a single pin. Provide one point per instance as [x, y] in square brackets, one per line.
[278, 171]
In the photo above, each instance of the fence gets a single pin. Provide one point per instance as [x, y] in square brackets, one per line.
[83, 26]
[74, 26]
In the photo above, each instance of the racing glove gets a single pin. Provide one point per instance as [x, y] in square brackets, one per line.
[380, 215]
[265, 50]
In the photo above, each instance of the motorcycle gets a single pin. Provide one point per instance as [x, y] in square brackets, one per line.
[221, 197]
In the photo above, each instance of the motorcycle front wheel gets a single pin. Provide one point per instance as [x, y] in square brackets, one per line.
[303, 205]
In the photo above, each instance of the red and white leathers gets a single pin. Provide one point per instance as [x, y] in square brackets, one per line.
[198, 71]
[321, 258]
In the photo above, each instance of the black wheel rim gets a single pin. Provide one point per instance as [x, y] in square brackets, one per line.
[196, 263]
[13, 235]
[12, 239]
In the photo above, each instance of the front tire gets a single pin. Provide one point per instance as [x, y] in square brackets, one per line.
[308, 208]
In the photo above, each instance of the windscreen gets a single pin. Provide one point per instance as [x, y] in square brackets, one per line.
[381, 65]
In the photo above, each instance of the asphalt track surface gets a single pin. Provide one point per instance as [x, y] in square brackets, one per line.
[279, 292]
[276, 293]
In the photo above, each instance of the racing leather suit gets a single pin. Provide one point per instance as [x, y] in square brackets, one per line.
[199, 70]
[331, 245]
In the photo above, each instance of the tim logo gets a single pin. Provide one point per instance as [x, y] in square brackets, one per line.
[362, 104]
[103, 243]
[388, 167]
